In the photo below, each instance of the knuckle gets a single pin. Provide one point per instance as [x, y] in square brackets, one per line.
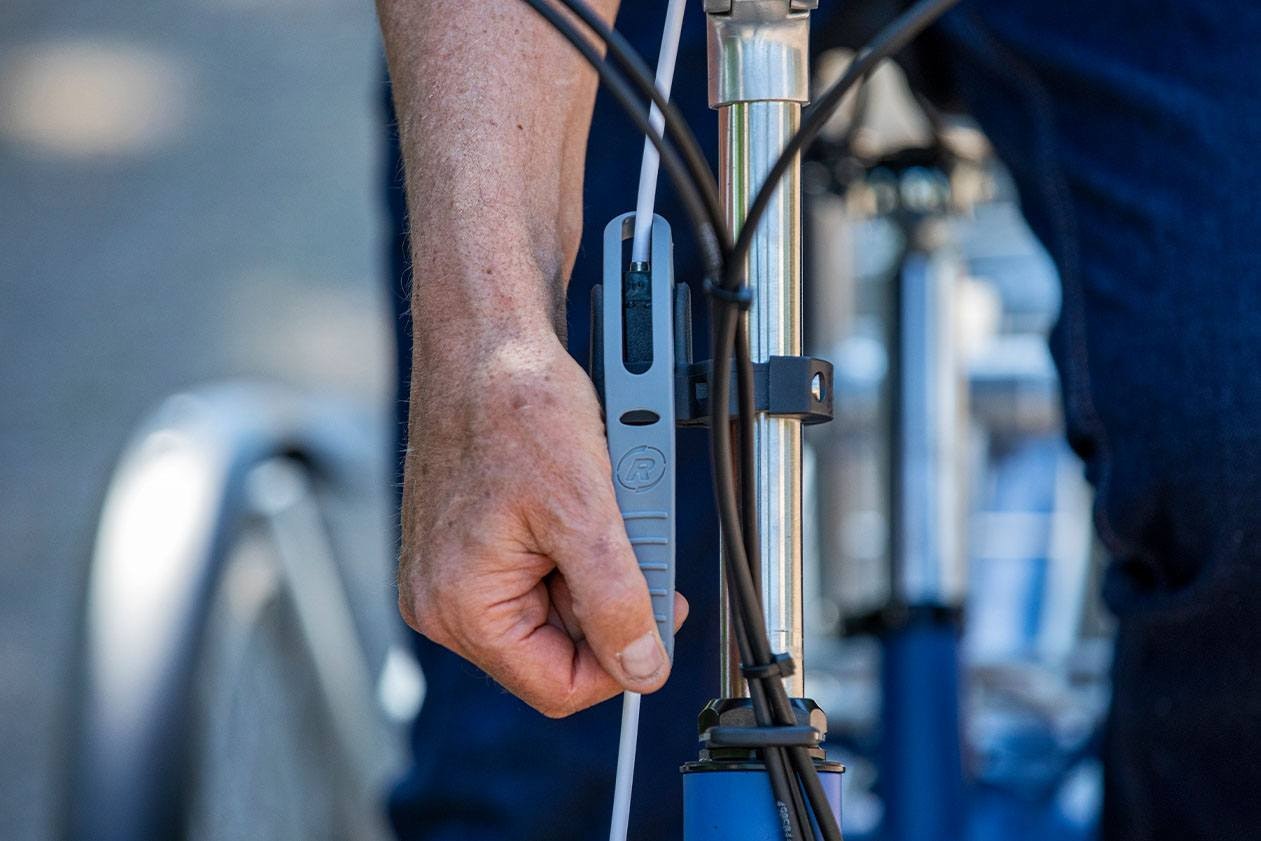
[411, 600]
[423, 614]
[423, 621]
[422, 601]
[408, 611]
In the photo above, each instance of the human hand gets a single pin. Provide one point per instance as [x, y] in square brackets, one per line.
[514, 551]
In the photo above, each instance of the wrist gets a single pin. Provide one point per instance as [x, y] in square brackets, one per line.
[481, 354]
[481, 305]
[446, 338]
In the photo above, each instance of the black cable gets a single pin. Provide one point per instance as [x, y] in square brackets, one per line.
[750, 628]
[711, 232]
[677, 126]
[889, 40]
[778, 761]
[767, 696]
[727, 334]
[781, 712]
[725, 264]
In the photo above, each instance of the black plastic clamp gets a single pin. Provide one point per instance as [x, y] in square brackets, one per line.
[791, 736]
[784, 386]
[730, 732]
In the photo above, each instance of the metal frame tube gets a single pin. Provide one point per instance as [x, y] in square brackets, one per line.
[758, 56]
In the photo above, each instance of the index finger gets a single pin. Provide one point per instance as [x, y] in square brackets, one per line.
[542, 664]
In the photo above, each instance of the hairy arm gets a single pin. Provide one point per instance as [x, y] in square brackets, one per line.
[514, 554]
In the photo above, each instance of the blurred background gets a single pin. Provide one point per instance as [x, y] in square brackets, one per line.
[188, 192]
[196, 375]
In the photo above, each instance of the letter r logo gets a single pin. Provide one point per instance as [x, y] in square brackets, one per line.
[641, 468]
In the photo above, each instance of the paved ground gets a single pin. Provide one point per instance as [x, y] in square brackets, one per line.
[186, 193]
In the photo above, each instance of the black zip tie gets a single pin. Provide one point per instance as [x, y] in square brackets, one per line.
[741, 298]
[781, 665]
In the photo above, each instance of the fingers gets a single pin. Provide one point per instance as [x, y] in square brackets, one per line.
[608, 595]
[536, 648]
[554, 674]
[550, 668]
[518, 560]
[548, 664]
[681, 610]
[563, 608]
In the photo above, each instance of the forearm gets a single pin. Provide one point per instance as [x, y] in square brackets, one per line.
[493, 111]
[513, 551]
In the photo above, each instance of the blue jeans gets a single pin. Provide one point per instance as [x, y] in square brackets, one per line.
[1133, 133]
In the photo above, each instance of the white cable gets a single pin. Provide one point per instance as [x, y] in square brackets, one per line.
[625, 766]
[647, 198]
[652, 160]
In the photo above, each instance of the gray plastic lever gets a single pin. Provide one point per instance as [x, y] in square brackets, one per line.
[642, 450]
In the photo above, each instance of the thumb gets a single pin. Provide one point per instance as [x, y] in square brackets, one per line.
[610, 599]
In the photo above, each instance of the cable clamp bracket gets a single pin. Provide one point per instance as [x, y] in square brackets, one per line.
[753, 738]
[783, 386]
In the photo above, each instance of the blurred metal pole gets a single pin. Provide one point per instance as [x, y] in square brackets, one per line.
[282, 493]
[758, 82]
[926, 547]
[921, 752]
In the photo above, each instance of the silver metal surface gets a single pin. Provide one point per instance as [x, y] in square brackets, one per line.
[173, 510]
[928, 543]
[751, 136]
[281, 491]
[759, 51]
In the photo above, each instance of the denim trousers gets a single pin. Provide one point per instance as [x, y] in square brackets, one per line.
[1133, 132]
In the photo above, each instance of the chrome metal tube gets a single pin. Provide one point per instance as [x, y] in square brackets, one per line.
[751, 136]
[758, 80]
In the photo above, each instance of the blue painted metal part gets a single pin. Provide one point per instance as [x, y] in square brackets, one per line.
[921, 756]
[736, 805]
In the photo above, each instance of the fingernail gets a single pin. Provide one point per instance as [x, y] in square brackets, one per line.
[644, 657]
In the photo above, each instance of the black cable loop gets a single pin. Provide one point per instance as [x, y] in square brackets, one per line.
[692, 189]
[889, 40]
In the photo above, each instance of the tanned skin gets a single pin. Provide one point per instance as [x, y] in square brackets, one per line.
[514, 554]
